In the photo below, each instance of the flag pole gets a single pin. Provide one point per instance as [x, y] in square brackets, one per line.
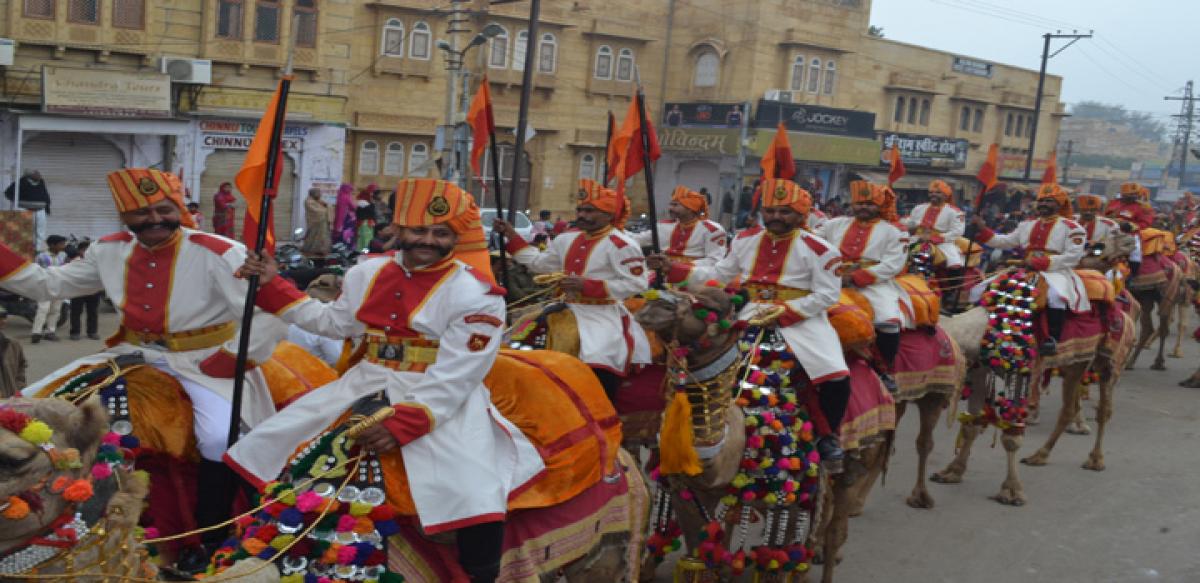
[535, 7]
[608, 131]
[640, 96]
[260, 242]
[498, 185]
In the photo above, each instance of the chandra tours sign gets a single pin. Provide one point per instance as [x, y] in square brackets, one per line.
[815, 119]
[700, 141]
[221, 134]
[925, 151]
[101, 93]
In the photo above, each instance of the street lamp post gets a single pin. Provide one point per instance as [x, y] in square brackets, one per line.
[457, 78]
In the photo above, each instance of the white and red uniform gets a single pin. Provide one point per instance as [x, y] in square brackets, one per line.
[1099, 229]
[462, 458]
[945, 223]
[1057, 244]
[816, 220]
[702, 241]
[880, 250]
[798, 264]
[179, 304]
[615, 269]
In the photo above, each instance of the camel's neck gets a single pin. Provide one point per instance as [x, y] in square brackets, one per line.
[702, 358]
[709, 382]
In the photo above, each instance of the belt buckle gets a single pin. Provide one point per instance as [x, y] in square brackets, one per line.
[393, 352]
[766, 294]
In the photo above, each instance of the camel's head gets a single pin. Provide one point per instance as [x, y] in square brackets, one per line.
[1115, 248]
[675, 315]
[31, 464]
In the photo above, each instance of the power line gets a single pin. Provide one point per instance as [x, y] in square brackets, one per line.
[1136, 69]
[1035, 19]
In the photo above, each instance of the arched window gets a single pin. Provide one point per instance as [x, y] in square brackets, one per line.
[925, 112]
[548, 54]
[498, 50]
[830, 77]
[417, 160]
[814, 76]
[1020, 126]
[393, 159]
[419, 41]
[1008, 125]
[898, 115]
[798, 65]
[393, 38]
[708, 69]
[964, 119]
[587, 166]
[625, 65]
[912, 109]
[519, 47]
[604, 62]
[368, 158]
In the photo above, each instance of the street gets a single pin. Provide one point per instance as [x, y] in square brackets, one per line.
[1136, 521]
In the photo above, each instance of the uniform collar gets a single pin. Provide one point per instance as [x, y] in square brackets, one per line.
[598, 234]
[170, 242]
[441, 265]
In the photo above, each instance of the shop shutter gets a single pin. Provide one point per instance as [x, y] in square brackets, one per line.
[222, 166]
[75, 167]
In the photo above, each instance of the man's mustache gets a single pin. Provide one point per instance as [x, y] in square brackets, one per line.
[168, 225]
[441, 251]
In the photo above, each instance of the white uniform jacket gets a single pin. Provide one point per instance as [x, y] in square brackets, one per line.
[815, 221]
[615, 269]
[462, 458]
[703, 241]
[771, 267]
[183, 291]
[945, 224]
[1100, 229]
[880, 251]
[1058, 244]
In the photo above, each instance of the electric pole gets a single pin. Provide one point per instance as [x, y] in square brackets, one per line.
[1067, 163]
[1186, 117]
[1037, 104]
[455, 25]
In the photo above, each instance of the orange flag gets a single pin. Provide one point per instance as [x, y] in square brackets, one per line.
[251, 179]
[898, 170]
[989, 173]
[628, 148]
[1050, 176]
[482, 122]
[778, 161]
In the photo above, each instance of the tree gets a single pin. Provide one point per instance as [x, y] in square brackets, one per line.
[875, 31]
[1142, 124]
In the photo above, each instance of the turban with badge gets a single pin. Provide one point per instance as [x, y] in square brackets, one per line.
[424, 202]
[1128, 188]
[691, 200]
[604, 199]
[782, 192]
[136, 188]
[1089, 202]
[940, 186]
[1056, 193]
[882, 197]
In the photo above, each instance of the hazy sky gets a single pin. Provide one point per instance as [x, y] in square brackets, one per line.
[1142, 50]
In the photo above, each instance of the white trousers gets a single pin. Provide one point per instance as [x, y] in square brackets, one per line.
[210, 415]
[46, 318]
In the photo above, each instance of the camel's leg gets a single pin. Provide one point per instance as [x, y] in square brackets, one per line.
[1104, 412]
[838, 528]
[1147, 329]
[874, 459]
[1011, 492]
[931, 407]
[1164, 326]
[953, 473]
[1079, 425]
[1071, 377]
[1182, 316]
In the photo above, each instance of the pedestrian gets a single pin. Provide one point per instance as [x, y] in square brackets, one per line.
[197, 216]
[383, 210]
[12, 362]
[343, 215]
[316, 224]
[89, 303]
[364, 216]
[47, 312]
[223, 210]
[33, 196]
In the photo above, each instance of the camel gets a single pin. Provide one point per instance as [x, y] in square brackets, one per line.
[109, 546]
[719, 437]
[1159, 299]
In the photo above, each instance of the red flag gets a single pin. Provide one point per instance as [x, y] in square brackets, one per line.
[251, 179]
[482, 122]
[1051, 174]
[898, 170]
[778, 162]
[988, 173]
[627, 144]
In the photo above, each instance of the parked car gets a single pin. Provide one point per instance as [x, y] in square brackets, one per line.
[522, 223]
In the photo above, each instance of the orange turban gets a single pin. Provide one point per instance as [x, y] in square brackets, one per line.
[1144, 192]
[783, 192]
[135, 188]
[1131, 188]
[1089, 202]
[942, 187]
[1056, 193]
[605, 199]
[690, 199]
[423, 202]
[882, 196]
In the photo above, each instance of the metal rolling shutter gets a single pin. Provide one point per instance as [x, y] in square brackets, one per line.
[222, 166]
[75, 167]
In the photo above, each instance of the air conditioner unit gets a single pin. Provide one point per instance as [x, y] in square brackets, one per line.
[783, 95]
[184, 70]
[7, 49]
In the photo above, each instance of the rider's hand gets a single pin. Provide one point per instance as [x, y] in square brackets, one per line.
[264, 266]
[504, 228]
[571, 284]
[658, 262]
[378, 439]
[978, 222]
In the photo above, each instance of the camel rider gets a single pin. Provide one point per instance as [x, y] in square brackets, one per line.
[1099, 229]
[179, 304]
[940, 223]
[874, 252]
[1053, 244]
[1130, 209]
[603, 266]
[689, 235]
[785, 265]
[431, 320]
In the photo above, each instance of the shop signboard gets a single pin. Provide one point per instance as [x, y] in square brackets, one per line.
[700, 141]
[972, 67]
[919, 151]
[221, 134]
[105, 94]
[815, 119]
[704, 115]
[818, 148]
[1013, 166]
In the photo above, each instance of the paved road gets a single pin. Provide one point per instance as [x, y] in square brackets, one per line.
[1137, 521]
